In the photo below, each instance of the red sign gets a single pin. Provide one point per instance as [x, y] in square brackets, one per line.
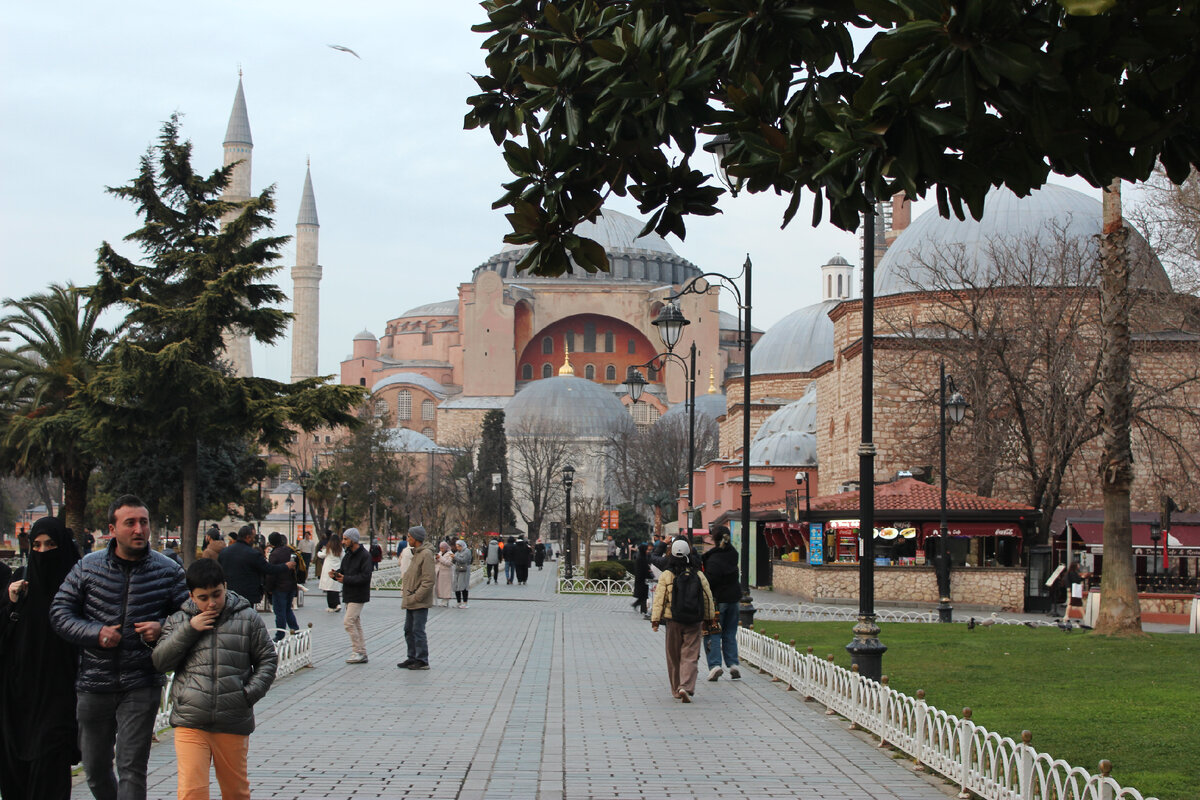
[610, 519]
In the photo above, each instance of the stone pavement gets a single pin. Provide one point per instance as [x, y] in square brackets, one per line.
[534, 696]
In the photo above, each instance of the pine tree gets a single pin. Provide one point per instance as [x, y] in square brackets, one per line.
[493, 459]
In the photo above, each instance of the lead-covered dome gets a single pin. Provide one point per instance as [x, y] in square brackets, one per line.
[711, 405]
[908, 264]
[565, 406]
[785, 449]
[632, 258]
[800, 342]
[799, 416]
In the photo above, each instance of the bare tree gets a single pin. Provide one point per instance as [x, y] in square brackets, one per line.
[1169, 216]
[537, 455]
[585, 519]
[649, 466]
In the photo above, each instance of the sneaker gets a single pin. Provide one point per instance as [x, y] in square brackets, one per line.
[715, 673]
[418, 665]
[734, 673]
[357, 658]
[405, 663]
[684, 696]
[339, 608]
[464, 605]
[330, 610]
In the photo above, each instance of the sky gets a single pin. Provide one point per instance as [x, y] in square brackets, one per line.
[403, 193]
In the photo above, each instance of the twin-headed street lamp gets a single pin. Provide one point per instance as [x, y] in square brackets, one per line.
[956, 408]
[291, 507]
[568, 480]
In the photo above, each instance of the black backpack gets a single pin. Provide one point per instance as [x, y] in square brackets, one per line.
[687, 598]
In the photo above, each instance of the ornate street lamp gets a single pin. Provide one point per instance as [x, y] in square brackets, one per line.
[290, 503]
[956, 408]
[568, 480]
[305, 479]
[1155, 535]
[345, 496]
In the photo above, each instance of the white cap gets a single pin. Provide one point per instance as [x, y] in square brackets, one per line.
[680, 548]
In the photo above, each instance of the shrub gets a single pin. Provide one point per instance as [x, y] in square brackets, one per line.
[610, 570]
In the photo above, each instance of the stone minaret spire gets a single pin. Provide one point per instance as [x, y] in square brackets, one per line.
[238, 147]
[306, 282]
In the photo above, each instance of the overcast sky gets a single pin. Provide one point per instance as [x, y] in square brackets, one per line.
[403, 192]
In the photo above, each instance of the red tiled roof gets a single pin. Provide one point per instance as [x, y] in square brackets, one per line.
[911, 494]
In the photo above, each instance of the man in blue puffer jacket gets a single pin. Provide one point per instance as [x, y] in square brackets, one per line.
[112, 605]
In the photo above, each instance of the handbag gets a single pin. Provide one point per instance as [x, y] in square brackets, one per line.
[712, 627]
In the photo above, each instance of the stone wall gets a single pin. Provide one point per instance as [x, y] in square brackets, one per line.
[1002, 589]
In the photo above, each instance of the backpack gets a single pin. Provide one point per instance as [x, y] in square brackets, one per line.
[687, 598]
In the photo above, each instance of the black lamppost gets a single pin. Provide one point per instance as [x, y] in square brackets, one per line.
[290, 503]
[956, 407]
[371, 525]
[345, 497]
[304, 481]
[1155, 535]
[260, 468]
[568, 480]
[498, 486]
[670, 322]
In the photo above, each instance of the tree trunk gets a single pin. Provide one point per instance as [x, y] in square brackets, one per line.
[189, 524]
[1120, 612]
[75, 505]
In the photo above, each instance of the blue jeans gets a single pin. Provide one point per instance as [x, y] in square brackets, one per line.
[285, 618]
[510, 571]
[124, 720]
[724, 642]
[414, 634]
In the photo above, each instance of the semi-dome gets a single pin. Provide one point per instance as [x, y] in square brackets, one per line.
[565, 406]
[406, 440]
[786, 448]
[1039, 217]
[412, 379]
[445, 308]
[799, 416]
[632, 258]
[800, 342]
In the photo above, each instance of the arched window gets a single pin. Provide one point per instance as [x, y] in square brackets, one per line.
[610, 373]
[404, 404]
[839, 294]
[829, 280]
[427, 334]
[610, 342]
[547, 345]
[589, 372]
[362, 381]
[527, 372]
[546, 370]
[426, 409]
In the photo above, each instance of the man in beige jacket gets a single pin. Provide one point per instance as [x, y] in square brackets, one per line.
[417, 591]
[683, 637]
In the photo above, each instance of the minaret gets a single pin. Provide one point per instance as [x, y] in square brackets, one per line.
[835, 279]
[238, 148]
[306, 283]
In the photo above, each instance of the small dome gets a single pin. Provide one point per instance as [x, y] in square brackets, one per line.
[905, 268]
[445, 308]
[405, 440]
[799, 416]
[800, 342]
[365, 336]
[787, 448]
[837, 261]
[565, 406]
[708, 405]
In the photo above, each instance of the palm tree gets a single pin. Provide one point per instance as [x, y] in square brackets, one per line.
[52, 345]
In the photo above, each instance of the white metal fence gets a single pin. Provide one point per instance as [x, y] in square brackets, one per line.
[295, 653]
[981, 762]
[389, 577]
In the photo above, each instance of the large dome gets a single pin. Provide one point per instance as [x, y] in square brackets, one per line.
[565, 406]
[799, 416]
[1006, 218]
[711, 405]
[631, 257]
[800, 342]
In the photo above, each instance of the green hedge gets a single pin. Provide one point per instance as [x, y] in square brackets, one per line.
[611, 570]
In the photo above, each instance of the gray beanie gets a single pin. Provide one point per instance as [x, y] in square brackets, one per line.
[352, 534]
[417, 532]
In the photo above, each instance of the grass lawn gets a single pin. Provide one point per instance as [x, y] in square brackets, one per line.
[1135, 702]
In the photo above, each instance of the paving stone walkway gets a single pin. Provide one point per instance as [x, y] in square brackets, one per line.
[535, 696]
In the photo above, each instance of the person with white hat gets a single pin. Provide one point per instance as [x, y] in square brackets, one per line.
[685, 602]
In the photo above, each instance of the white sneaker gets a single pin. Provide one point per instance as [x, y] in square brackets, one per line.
[464, 605]
[715, 673]
[684, 696]
[733, 673]
[357, 658]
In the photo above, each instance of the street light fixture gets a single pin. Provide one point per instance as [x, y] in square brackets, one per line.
[1155, 535]
[498, 486]
[568, 480]
[305, 479]
[345, 497]
[956, 408]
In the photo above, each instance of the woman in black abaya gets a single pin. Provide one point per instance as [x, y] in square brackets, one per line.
[37, 674]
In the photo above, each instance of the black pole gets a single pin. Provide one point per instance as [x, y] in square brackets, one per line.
[945, 610]
[570, 572]
[691, 440]
[746, 612]
[866, 650]
[500, 508]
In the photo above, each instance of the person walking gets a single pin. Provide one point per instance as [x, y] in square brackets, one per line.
[611, 549]
[443, 579]
[492, 561]
[245, 567]
[641, 579]
[509, 555]
[416, 598]
[38, 733]
[224, 663]
[283, 586]
[539, 554]
[331, 561]
[684, 602]
[721, 570]
[354, 575]
[462, 572]
[521, 557]
[112, 605]
[306, 548]
[215, 545]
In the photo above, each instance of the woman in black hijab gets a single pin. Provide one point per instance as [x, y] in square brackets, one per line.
[37, 674]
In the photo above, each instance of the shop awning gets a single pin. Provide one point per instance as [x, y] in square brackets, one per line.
[972, 529]
[1180, 536]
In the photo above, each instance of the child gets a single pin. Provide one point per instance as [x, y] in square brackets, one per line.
[224, 663]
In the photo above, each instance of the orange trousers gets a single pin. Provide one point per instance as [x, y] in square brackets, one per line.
[197, 750]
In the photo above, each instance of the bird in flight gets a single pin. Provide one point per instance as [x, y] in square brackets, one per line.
[346, 50]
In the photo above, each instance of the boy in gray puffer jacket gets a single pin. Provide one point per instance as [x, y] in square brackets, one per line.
[224, 663]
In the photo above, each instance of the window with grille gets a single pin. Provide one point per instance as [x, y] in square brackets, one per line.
[547, 345]
[644, 414]
[381, 408]
[404, 404]
[426, 409]
[427, 432]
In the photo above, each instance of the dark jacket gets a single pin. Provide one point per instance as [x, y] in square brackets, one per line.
[245, 569]
[356, 575]
[219, 674]
[99, 591]
[721, 569]
[286, 580]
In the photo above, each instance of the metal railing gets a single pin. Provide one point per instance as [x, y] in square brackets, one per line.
[390, 578]
[981, 762]
[295, 653]
[806, 612]
[606, 586]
